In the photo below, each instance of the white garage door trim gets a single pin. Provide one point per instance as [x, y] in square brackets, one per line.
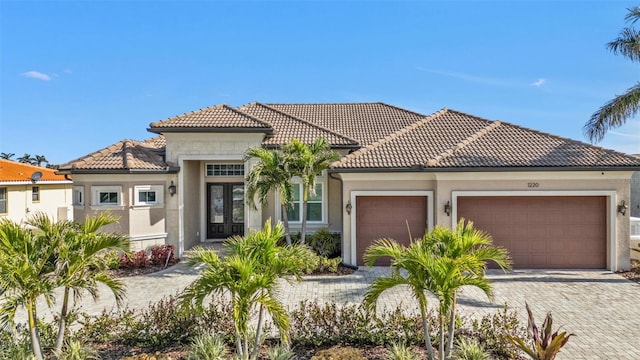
[612, 256]
[355, 194]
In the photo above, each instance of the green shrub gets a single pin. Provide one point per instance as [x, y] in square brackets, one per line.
[325, 243]
[76, 350]
[280, 353]
[542, 343]
[15, 348]
[400, 351]
[207, 347]
[346, 353]
[161, 324]
[494, 330]
[469, 349]
[313, 324]
[112, 258]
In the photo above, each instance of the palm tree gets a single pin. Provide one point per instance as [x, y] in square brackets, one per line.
[308, 162]
[441, 262]
[459, 259]
[39, 159]
[79, 266]
[26, 272]
[617, 111]
[269, 174]
[248, 273]
[6, 156]
[26, 159]
[406, 269]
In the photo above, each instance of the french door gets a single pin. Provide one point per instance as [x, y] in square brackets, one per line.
[225, 210]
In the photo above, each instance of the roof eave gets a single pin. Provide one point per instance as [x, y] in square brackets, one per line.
[159, 130]
[168, 170]
[487, 169]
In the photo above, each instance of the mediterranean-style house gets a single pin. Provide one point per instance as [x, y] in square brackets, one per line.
[26, 189]
[552, 202]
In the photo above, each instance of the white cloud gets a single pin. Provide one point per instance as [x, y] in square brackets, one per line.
[36, 75]
[67, 71]
[539, 82]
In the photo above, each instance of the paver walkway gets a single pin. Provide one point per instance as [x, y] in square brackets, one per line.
[600, 307]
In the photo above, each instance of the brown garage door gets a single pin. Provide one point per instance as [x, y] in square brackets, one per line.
[386, 217]
[543, 232]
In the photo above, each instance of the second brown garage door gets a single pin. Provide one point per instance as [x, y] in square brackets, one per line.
[543, 232]
[386, 217]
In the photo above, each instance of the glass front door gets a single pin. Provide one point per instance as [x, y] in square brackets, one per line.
[225, 210]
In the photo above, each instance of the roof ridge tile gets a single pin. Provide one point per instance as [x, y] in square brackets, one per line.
[308, 123]
[390, 137]
[465, 142]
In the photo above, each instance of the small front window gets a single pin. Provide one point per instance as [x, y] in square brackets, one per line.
[3, 200]
[106, 195]
[148, 194]
[35, 194]
[78, 195]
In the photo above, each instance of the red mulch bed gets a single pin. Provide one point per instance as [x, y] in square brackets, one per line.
[136, 271]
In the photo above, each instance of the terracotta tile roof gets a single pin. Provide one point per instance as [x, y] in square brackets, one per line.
[452, 139]
[364, 122]
[126, 155]
[215, 117]
[13, 171]
[287, 127]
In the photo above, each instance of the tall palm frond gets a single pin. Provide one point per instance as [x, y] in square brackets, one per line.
[617, 111]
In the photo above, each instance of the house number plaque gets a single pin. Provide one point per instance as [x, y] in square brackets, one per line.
[533, 184]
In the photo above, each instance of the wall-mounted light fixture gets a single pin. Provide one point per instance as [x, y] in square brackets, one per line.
[348, 207]
[447, 208]
[172, 188]
[622, 207]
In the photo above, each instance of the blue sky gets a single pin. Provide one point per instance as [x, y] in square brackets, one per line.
[78, 76]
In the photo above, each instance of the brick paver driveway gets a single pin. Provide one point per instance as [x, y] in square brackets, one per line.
[600, 307]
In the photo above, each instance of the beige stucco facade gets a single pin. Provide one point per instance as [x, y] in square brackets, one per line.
[181, 219]
[54, 200]
[144, 224]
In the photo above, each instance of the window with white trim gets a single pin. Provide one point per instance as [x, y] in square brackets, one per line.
[35, 193]
[225, 169]
[315, 204]
[78, 195]
[106, 195]
[148, 194]
[3, 200]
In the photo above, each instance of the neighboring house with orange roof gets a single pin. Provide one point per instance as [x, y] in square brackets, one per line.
[26, 189]
[552, 202]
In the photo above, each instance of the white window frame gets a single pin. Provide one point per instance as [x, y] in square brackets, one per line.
[210, 171]
[296, 181]
[35, 194]
[75, 191]
[5, 190]
[95, 194]
[158, 189]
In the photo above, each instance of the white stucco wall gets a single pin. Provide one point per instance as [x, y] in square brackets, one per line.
[55, 201]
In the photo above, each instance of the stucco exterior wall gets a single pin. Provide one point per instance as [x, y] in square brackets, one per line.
[55, 201]
[145, 225]
[614, 184]
[634, 204]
